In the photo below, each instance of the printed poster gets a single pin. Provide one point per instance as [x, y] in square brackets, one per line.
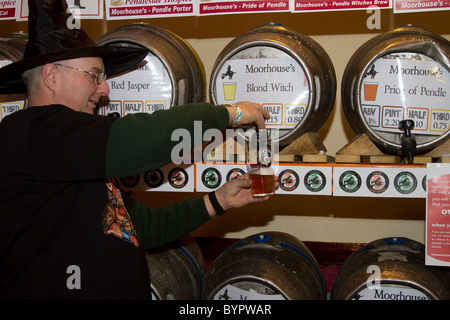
[437, 241]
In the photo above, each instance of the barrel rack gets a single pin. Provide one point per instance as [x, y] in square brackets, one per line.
[359, 169]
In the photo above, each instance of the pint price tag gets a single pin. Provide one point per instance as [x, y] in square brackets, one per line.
[437, 247]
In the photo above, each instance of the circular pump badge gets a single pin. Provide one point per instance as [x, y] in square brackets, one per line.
[234, 173]
[350, 181]
[130, 181]
[288, 180]
[315, 180]
[178, 178]
[377, 182]
[211, 178]
[405, 182]
[154, 178]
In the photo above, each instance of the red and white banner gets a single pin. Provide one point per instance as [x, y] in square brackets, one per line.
[140, 9]
[401, 6]
[81, 9]
[242, 6]
[338, 5]
[8, 9]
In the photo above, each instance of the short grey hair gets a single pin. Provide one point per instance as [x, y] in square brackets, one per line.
[31, 80]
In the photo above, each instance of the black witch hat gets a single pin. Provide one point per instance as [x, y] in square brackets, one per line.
[50, 39]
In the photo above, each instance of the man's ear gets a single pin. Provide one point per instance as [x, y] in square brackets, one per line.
[49, 74]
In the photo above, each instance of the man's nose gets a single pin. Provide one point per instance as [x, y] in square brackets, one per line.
[103, 88]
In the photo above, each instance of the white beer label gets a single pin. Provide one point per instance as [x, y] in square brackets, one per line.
[146, 88]
[230, 292]
[406, 86]
[390, 292]
[267, 76]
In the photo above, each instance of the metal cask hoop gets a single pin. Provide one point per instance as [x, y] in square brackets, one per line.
[271, 265]
[390, 269]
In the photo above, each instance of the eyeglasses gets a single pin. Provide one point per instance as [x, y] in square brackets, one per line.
[98, 77]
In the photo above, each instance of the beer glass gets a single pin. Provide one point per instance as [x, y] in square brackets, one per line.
[259, 164]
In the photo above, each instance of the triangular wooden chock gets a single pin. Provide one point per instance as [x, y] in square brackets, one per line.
[360, 145]
[308, 143]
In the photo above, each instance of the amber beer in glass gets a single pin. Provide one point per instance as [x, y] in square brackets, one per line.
[263, 181]
[259, 164]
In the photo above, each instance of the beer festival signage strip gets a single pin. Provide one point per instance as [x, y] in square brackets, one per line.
[338, 5]
[379, 181]
[294, 179]
[169, 178]
[403, 6]
[139, 9]
[81, 9]
[242, 6]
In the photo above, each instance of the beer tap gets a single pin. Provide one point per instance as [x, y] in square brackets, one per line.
[408, 140]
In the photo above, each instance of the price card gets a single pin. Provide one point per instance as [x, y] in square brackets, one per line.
[438, 215]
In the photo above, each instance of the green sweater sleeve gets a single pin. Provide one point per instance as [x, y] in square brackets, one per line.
[158, 226]
[141, 142]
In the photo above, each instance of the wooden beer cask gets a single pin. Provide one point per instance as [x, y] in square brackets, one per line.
[390, 269]
[12, 47]
[172, 74]
[289, 73]
[393, 79]
[176, 270]
[267, 266]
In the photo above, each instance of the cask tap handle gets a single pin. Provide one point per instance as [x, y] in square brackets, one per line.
[408, 140]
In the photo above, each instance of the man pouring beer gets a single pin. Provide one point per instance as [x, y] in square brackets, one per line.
[68, 230]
